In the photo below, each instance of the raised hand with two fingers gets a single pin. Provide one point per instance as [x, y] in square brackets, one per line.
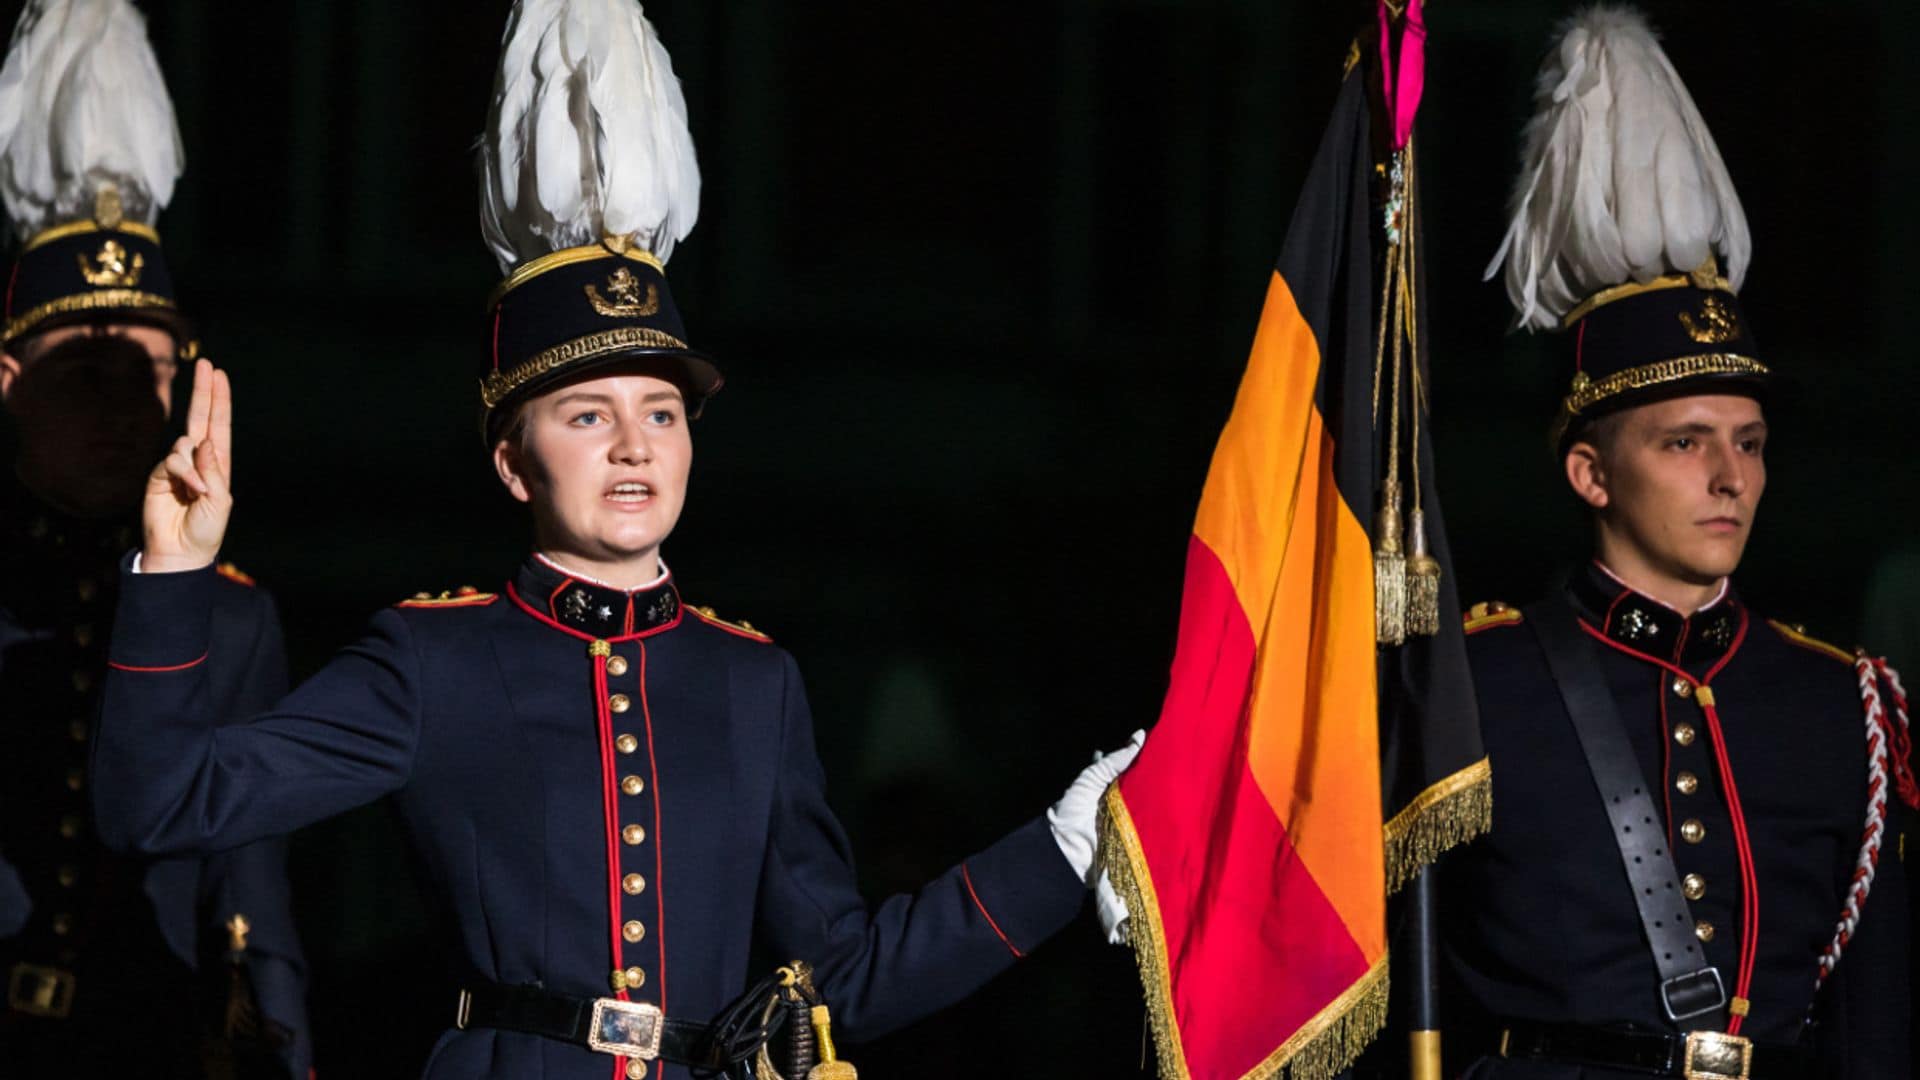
[189, 495]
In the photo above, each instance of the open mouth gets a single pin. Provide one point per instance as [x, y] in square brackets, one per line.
[630, 493]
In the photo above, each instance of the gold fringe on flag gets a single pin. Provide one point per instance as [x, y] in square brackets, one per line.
[1451, 812]
[1324, 1047]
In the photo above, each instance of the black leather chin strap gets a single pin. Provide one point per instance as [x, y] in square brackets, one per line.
[1692, 993]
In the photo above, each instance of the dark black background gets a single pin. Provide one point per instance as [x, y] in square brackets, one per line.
[982, 278]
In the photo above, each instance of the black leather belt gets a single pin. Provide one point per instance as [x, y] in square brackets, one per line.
[605, 1025]
[1698, 1055]
[1691, 991]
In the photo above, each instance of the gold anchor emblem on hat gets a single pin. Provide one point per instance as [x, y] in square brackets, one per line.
[110, 269]
[1715, 324]
[627, 303]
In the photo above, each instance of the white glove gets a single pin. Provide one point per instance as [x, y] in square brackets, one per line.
[1072, 820]
[1112, 910]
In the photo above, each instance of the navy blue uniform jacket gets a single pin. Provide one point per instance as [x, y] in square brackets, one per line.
[651, 811]
[64, 901]
[1540, 922]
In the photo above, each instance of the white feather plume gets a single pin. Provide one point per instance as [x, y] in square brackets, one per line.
[83, 106]
[587, 136]
[1620, 179]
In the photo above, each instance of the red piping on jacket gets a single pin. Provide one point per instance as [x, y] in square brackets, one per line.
[152, 670]
[966, 876]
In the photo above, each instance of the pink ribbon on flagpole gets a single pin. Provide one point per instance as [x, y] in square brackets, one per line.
[1404, 72]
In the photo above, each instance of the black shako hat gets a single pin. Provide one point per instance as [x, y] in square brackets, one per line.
[89, 155]
[580, 309]
[1636, 343]
[88, 271]
[587, 180]
[1621, 218]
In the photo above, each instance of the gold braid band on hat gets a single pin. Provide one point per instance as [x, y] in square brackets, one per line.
[497, 385]
[1588, 392]
[97, 300]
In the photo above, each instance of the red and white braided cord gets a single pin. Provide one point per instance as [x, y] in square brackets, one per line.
[1882, 759]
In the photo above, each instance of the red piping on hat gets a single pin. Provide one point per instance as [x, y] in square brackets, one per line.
[1579, 346]
[12, 280]
[496, 339]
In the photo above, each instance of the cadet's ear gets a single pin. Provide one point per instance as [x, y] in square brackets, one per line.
[9, 374]
[1586, 475]
[510, 463]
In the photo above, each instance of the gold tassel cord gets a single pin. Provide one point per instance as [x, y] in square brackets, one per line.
[1423, 570]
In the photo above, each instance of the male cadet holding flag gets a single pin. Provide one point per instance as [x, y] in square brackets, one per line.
[111, 965]
[1696, 861]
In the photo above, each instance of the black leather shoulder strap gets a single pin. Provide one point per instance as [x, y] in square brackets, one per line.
[1691, 991]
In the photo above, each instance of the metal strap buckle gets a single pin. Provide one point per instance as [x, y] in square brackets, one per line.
[1684, 986]
[40, 991]
[625, 1029]
[1713, 1055]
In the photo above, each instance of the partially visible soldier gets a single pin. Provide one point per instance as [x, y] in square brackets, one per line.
[112, 965]
[1696, 861]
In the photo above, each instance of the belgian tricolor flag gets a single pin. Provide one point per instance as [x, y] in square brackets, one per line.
[1299, 772]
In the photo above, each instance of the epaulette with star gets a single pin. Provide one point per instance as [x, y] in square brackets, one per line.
[464, 596]
[1489, 614]
[739, 629]
[1797, 634]
[234, 574]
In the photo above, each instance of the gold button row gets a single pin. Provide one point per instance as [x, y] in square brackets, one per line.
[616, 666]
[626, 744]
[1686, 783]
[632, 785]
[634, 931]
[633, 835]
[1683, 734]
[619, 703]
[1692, 831]
[633, 884]
[636, 1069]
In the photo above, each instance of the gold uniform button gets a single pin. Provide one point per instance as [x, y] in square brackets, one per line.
[619, 703]
[76, 779]
[636, 978]
[69, 827]
[626, 744]
[1681, 687]
[82, 681]
[63, 924]
[1703, 931]
[67, 876]
[634, 931]
[1686, 783]
[1683, 734]
[616, 665]
[83, 635]
[85, 589]
[633, 834]
[1692, 831]
[1694, 886]
[634, 884]
[77, 731]
[636, 1069]
[632, 785]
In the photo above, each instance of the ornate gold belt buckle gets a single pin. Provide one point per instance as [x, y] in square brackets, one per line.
[40, 991]
[625, 1029]
[1713, 1055]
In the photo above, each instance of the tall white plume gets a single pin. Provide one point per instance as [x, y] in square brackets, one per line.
[1620, 179]
[82, 106]
[587, 136]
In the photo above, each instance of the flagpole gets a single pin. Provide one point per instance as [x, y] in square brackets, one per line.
[1422, 974]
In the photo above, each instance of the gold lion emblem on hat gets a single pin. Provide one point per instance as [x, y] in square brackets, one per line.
[627, 302]
[111, 269]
